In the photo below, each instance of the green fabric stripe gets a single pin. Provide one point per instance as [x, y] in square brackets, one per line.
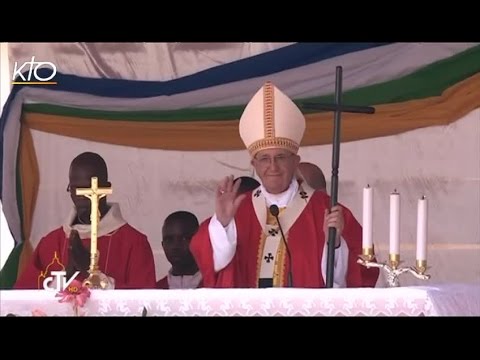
[9, 273]
[215, 113]
[429, 81]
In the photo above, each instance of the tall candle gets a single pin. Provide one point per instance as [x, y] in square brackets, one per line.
[367, 226]
[422, 215]
[395, 223]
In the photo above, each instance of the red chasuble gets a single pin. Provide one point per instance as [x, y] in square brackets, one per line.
[257, 250]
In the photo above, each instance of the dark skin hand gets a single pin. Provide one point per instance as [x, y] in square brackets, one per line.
[79, 256]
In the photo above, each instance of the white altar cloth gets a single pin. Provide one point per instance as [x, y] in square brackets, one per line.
[449, 300]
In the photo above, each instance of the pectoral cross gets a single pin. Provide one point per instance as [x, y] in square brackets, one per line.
[94, 193]
[337, 108]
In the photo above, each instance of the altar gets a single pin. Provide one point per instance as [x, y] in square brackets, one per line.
[441, 300]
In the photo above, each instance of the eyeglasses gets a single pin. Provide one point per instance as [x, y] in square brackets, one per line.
[281, 159]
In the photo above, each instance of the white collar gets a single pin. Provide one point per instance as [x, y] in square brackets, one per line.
[112, 220]
[184, 281]
[282, 199]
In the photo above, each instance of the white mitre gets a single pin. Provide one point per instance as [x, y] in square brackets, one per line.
[271, 120]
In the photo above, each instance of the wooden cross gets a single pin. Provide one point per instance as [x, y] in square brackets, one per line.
[94, 193]
[337, 108]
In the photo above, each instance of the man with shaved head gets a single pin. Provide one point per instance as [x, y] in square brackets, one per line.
[247, 183]
[313, 175]
[125, 254]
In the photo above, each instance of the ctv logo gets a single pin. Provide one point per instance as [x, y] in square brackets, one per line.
[33, 67]
[57, 281]
[61, 281]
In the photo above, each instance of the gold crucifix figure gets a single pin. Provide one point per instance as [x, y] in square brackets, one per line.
[96, 279]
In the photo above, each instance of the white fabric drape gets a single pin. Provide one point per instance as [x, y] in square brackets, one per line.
[136, 61]
[150, 184]
[6, 240]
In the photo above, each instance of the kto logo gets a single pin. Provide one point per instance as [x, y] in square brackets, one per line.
[33, 67]
[58, 280]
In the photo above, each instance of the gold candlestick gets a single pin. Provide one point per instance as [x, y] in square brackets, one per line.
[392, 269]
[96, 279]
[368, 253]
[394, 260]
[421, 266]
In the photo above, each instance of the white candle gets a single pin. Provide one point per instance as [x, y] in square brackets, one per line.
[422, 232]
[367, 226]
[395, 223]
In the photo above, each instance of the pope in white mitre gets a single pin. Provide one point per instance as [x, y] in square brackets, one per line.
[241, 246]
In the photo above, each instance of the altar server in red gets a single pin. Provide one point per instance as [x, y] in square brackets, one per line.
[125, 253]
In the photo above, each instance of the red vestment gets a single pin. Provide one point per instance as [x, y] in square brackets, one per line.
[125, 255]
[306, 241]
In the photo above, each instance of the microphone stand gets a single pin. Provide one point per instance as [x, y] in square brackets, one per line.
[275, 211]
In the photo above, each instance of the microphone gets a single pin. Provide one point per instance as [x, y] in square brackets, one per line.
[274, 210]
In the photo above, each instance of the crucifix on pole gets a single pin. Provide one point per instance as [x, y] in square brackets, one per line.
[96, 279]
[337, 107]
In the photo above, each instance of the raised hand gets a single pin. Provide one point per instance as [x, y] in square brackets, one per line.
[227, 200]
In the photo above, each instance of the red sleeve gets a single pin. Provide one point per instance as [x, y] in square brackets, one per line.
[358, 275]
[41, 258]
[140, 266]
[202, 251]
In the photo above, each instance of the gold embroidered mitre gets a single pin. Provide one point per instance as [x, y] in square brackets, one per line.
[271, 120]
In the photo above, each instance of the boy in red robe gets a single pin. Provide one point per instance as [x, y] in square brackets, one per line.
[177, 231]
[125, 253]
[242, 246]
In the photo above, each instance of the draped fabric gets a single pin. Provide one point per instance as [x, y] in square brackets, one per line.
[137, 61]
[184, 100]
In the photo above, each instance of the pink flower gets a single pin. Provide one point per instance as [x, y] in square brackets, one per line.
[38, 312]
[75, 293]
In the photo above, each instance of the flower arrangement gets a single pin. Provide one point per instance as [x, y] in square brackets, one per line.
[76, 294]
